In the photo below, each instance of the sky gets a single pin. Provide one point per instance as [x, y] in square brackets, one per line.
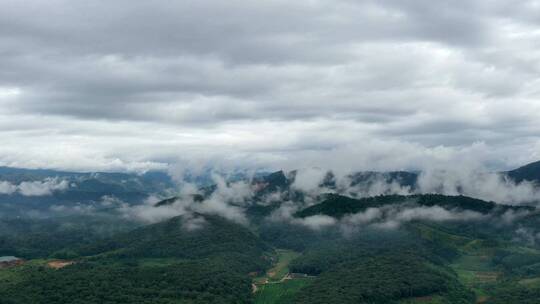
[361, 85]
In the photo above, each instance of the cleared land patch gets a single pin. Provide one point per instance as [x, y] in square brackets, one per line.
[278, 285]
[59, 264]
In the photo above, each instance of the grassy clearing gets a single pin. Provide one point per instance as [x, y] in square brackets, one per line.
[475, 269]
[280, 293]
[432, 234]
[474, 263]
[280, 267]
[273, 288]
[530, 283]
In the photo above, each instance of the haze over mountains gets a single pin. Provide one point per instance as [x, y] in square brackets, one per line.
[269, 152]
[305, 236]
[27, 190]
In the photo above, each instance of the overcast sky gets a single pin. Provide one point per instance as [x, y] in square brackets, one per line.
[136, 85]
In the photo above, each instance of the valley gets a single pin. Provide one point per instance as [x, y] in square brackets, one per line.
[269, 152]
[419, 248]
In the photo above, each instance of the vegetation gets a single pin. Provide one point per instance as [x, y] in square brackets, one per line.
[40, 238]
[167, 262]
[200, 281]
[337, 205]
[281, 293]
[208, 259]
[382, 279]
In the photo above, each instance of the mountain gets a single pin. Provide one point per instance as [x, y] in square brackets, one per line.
[402, 178]
[36, 190]
[266, 184]
[201, 258]
[338, 206]
[294, 247]
[272, 182]
[187, 237]
[529, 172]
[33, 238]
[151, 181]
[187, 259]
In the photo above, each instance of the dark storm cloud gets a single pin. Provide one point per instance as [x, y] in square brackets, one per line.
[133, 85]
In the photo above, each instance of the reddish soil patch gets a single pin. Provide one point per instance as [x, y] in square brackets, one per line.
[11, 263]
[59, 264]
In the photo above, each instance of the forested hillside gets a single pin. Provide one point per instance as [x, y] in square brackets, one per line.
[327, 248]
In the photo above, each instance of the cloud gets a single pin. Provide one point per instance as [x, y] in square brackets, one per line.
[317, 222]
[228, 200]
[111, 200]
[40, 188]
[148, 213]
[391, 217]
[386, 217]
[362, 218]
[7, 188]
[527, 235]
[479, 184]
[435, 213]
[450, 172]
[34, 188]
[193, 222]
[285, 213]
[308, 179]
[511, 215]
[274, 84]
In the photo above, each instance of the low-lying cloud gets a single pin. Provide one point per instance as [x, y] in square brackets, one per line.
[479, 184]
[7, 188]
[386, 217]
[228, 200]
[470, 179]
[285, 213]
[34, 188]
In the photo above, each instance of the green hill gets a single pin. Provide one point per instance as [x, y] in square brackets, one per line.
[337, 205]
[208, 236]
[187, 259]
[529, 172]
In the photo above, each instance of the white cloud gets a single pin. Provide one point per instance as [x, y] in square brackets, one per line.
[479, 184]
[34, 188]
[317, 222]
[267, 84]
[308, 179]
[228, 201]
[7, 187]
[40, 188]
[391, 217]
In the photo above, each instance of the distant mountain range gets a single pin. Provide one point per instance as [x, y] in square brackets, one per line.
[292, 247]
[23, 190]
[69, 188]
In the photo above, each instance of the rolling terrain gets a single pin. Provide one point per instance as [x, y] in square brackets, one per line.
[293, 248]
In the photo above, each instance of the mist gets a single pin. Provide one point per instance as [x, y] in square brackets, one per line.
[228, 200]
[34, 188]
[472, 180]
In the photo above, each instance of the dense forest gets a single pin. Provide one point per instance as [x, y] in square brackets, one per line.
[202, 258]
